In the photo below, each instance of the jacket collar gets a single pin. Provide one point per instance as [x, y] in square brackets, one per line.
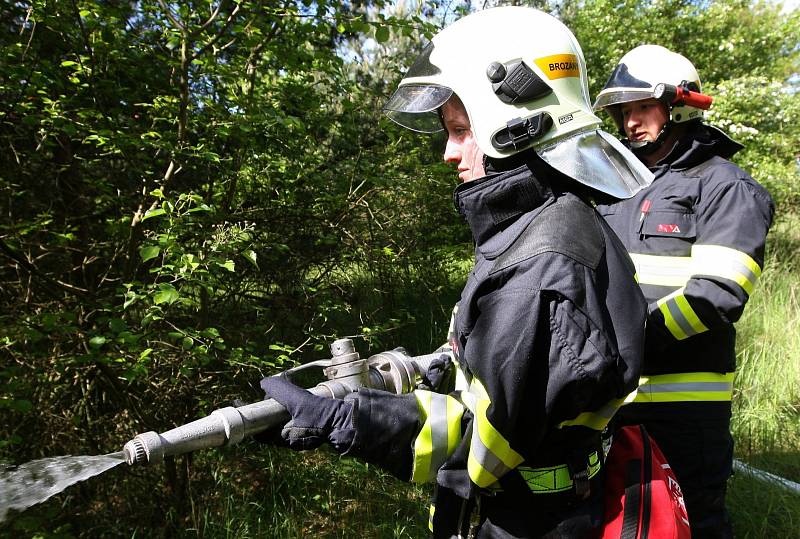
[499, 206]
[698, 146]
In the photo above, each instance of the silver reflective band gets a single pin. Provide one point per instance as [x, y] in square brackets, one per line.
[687, 387]
[439, 430]
[597, 159]
[682, 320]
[415, 106]
[484, 456]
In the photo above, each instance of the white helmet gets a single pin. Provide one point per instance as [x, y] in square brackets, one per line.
[638, 76]
[521, 76]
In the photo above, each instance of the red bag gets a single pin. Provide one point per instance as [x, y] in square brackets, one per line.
[643, 498]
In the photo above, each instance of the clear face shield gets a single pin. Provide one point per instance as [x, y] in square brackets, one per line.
[620, 97]
[611, 103]
[415, 107]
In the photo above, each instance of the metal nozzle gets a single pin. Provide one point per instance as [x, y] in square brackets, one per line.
[391, 371]
[134, 452]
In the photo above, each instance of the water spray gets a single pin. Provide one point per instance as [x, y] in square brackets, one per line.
[346, 372]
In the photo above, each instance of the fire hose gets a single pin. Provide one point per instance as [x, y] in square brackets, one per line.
[346, 372]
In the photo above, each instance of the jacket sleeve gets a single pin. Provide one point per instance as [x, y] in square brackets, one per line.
[411, 435]
[727, 259]
[537, 360]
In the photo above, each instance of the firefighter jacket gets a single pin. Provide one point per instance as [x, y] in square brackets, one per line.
[549, 335]
[696, 236]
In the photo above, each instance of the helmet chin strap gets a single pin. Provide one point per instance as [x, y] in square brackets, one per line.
[647, 147]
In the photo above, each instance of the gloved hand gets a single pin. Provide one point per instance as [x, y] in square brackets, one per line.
[315, 419]
[440, 376]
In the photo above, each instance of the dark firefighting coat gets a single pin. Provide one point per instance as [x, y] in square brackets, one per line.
[696, 236]
[548, 333]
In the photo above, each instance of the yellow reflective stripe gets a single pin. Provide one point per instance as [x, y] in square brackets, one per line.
[679, 317]
[596, 419]
[713, 260]
[543, 480]
[636, 277]
[490, 454]
[555, 478]
[431, 512]
[727, 263]
[439, 435]
[662, 270]
[688, 312]
[686, 386]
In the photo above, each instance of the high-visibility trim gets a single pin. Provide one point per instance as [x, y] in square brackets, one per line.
[662, 270]
[684, 387]
[431, 512]
[712, 260]
[462, 382]
[679, 317]
[439, 436]
[726, 263]
[556, 478]
[490, 454]
[596, 419]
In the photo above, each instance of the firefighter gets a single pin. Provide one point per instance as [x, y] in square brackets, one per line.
[549, 330]
[696, 236]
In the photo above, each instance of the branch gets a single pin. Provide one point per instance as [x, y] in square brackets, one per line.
[217, 37]
[171, 16]
[33, 270]
[210, 18]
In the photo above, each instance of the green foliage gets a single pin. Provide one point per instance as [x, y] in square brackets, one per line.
[762, 115]
[197, 194]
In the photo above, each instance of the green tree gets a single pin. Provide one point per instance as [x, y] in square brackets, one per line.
[195, 194]
[746, 54]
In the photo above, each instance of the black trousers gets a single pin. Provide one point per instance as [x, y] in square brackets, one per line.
[696, 440]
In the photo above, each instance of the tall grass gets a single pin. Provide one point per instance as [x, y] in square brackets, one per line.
[274, 493]
[766, 402]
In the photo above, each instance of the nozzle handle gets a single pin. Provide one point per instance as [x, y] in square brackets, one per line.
[224, 426]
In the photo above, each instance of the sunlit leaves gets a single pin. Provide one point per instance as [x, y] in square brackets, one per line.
[149, 252]
[166, 294]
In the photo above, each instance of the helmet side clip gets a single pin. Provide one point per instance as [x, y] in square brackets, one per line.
[515, 82]
[520, 132]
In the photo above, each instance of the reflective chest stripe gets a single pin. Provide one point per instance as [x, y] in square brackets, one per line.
[683, 387]
[490, 454]
[712, 260]
[662, 270]
[439, 436]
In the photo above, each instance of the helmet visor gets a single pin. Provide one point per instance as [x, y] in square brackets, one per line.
[414, 106]
[621, 96]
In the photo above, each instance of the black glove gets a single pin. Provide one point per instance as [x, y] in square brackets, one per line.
[440, 376]
[315, 420]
